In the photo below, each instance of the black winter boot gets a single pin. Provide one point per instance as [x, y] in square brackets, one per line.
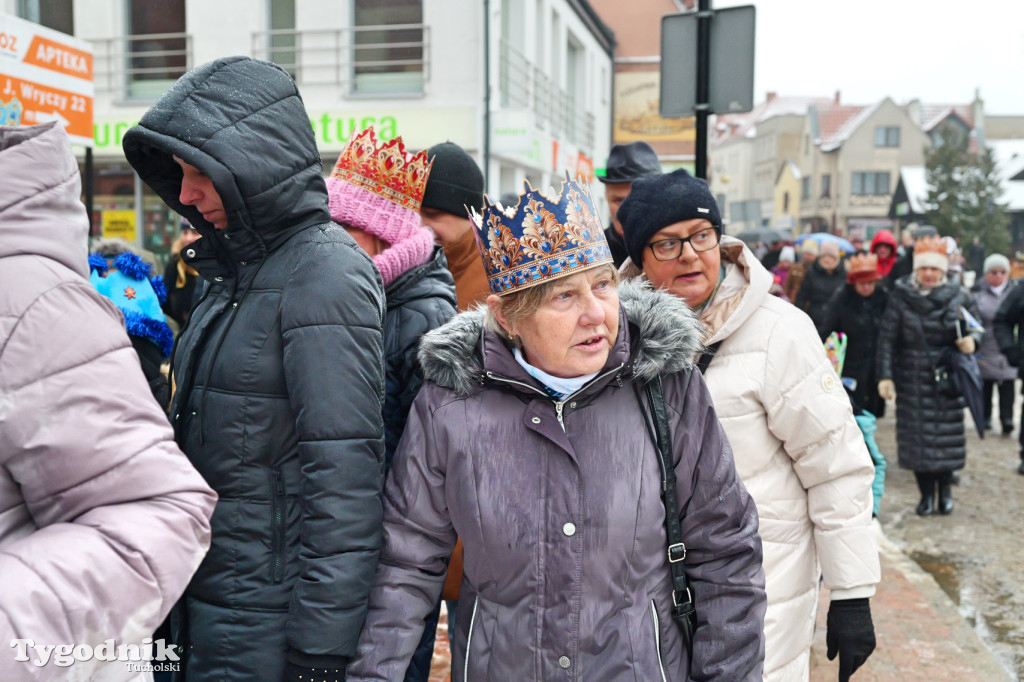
[946, 493]
[926, 484]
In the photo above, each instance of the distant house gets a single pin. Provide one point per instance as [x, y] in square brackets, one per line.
[787, 197]
[851, 159]
[745, 153]
[908, 201]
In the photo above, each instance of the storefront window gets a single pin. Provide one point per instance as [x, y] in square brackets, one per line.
[114, 214]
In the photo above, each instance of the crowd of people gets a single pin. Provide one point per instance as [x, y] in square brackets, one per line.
[612, 452]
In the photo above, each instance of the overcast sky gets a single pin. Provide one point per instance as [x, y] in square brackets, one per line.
[939, 52]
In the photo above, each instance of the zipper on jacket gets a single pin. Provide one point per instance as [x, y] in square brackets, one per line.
[558, 413]
[657, 640]
[278, 529]
[495, 377]
[559, 404]
[469, 638]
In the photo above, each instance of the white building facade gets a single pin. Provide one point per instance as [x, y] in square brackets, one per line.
[523, 85]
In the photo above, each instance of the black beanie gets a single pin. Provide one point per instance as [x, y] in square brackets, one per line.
[656, 202]
[455, 180]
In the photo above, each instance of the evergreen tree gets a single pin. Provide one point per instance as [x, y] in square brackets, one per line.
[964, 191]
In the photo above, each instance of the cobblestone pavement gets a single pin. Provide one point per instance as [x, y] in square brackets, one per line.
[921, 635]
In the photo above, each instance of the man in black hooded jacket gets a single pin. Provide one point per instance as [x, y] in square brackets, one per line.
[279, 378]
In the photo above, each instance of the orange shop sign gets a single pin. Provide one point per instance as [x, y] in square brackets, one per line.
[45, 76]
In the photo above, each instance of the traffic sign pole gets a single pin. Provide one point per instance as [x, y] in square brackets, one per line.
[702, 110]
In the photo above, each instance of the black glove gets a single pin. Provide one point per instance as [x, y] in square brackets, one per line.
[298, 673]
[850, 633]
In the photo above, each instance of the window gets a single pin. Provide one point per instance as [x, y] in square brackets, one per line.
[785, 202]
[870, 184]
[155, 62]
[388, 46]
[282, 39]
[826, 185]
[887, 136]
[805, 188]
[56, 14]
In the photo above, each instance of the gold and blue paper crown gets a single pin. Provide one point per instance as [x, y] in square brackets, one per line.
[540, 239]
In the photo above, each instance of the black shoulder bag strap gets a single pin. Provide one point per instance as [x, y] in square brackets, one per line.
[683, 611]
[707, 356]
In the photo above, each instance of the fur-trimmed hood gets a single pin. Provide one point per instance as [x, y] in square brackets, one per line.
[658, 335]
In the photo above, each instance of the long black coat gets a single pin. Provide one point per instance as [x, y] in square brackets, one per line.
[1009, 327]
[418, 301]
[916, 331]
[279, 377]
[816, 289]
[859, 318]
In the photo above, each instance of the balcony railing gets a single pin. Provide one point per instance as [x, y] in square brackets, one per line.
[524, 85]
[392, 59]
[140, 66]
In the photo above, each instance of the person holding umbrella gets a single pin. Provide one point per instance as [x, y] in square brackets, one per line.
[922, 328]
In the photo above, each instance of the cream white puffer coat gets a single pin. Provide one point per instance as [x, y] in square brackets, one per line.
[799, 452]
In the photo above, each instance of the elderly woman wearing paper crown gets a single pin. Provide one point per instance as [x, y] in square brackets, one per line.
[534, 438]
[920, 330]
[856, 310]
[798, 449]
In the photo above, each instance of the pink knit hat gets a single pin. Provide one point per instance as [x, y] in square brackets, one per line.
[377, 188]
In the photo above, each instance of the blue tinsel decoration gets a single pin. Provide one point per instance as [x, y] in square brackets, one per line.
[159, 288]
[133, 266]
[98, 263]
[156, 331]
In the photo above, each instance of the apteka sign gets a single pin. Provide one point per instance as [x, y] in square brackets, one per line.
[45, 76]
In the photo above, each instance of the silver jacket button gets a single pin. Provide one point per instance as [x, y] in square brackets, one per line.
[569, 529]
[536, 420]
[191, 253]
[218, 279]
[564, 661]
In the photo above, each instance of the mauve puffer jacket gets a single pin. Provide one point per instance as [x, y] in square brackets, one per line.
[102, 519]
[559, 511]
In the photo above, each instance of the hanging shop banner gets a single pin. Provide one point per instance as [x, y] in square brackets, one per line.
[45, 76]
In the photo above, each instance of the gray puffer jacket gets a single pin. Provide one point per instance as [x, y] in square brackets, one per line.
[279, 379]
[559, 511]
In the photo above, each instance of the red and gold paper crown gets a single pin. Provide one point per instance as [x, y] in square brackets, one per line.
[930, 244]
[931, 252]
[863, 268]
[385, 169]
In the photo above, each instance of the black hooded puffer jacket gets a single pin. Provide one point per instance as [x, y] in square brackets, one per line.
[418, 301]
[916, 331]
[279, 378]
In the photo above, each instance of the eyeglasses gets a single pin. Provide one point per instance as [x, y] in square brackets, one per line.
[701, 240]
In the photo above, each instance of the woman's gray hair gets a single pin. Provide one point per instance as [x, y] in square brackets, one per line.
[519, 305]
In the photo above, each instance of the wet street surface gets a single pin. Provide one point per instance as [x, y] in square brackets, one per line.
[976, 554]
